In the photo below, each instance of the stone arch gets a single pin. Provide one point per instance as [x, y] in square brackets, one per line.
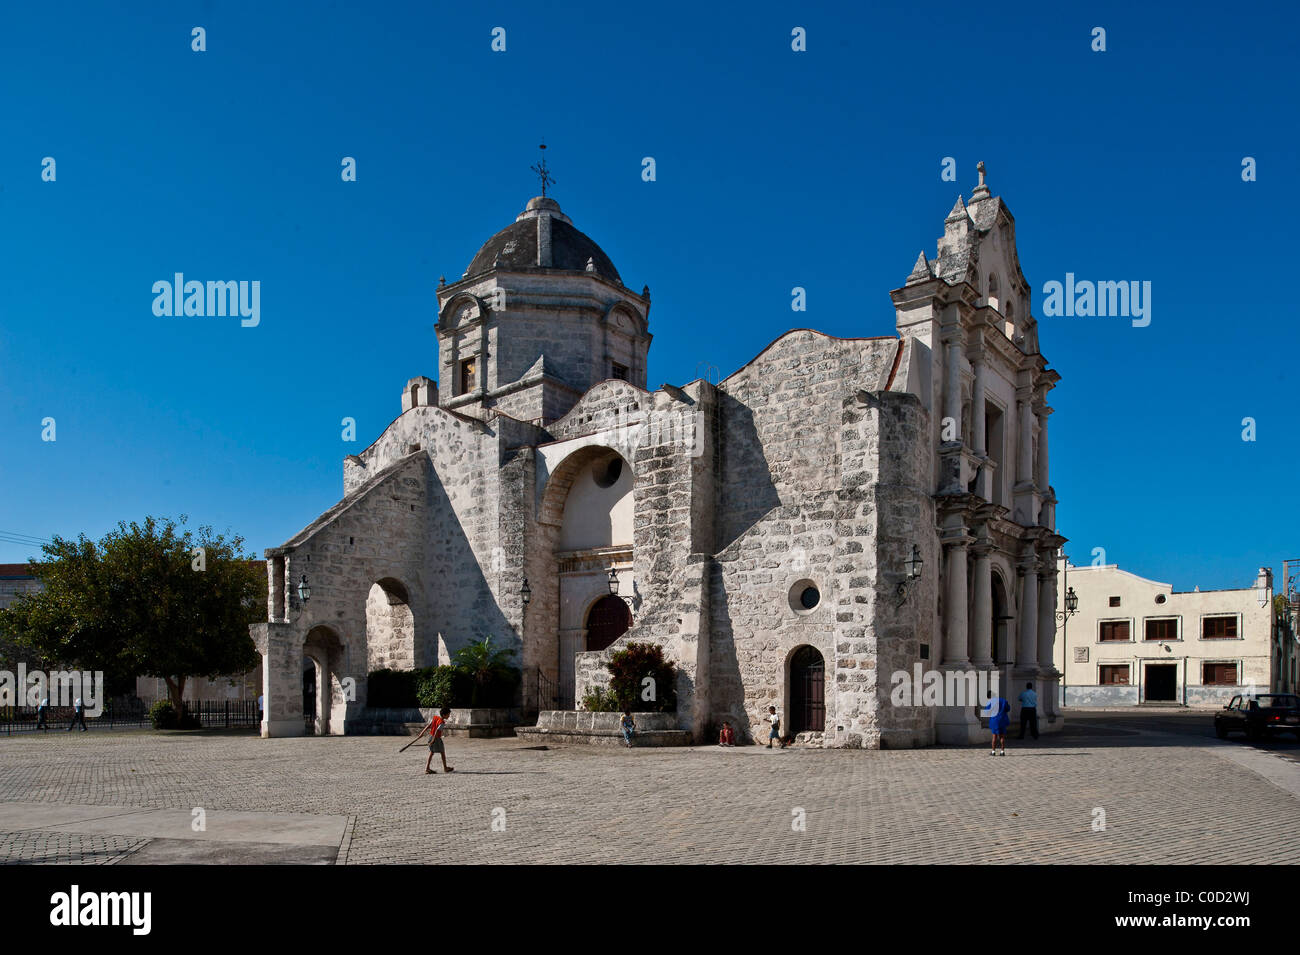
[577, 471]
[324, 659]
[390, 626]
[806, 693]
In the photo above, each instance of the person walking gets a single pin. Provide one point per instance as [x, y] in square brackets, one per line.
[775, 732]
[999, 723]
[78, 716]
[43, 714]
[1029, 711]
[436, 745]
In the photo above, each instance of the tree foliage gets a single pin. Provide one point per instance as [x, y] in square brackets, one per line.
[133, 603]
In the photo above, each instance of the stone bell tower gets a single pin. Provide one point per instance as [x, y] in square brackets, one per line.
[539, 317]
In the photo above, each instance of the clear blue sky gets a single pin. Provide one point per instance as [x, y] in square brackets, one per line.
[775, 169]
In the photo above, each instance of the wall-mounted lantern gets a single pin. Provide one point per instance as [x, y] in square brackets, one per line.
[1071, 605]
[614, 587]
[525, 592]
[914, 566]
[304, 589]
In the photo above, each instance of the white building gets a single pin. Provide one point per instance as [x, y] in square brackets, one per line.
[1135, 640]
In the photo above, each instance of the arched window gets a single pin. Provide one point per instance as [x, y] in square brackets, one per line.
[993, 290]
[415, 396]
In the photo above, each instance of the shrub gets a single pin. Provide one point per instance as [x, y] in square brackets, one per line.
[600, 700]
[163, 715]
[443, 686]
[629, 667]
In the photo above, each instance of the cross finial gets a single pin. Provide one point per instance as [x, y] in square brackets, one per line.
[543, 173]
[980, 166]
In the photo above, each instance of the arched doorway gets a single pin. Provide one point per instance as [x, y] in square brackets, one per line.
[322, 690]
[607, 620]
[309, 694]
[807, 692]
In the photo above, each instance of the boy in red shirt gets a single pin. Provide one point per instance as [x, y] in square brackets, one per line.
[434, 729]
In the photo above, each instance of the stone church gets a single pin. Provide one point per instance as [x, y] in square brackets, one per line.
[835, 513]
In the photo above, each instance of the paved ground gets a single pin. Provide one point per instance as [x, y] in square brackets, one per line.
[1170, 793]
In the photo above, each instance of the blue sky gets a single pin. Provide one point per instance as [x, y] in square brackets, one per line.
[774, 169]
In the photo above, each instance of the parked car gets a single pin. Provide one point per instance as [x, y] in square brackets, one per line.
[1260, 715]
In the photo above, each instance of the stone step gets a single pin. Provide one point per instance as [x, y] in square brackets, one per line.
[552, 737]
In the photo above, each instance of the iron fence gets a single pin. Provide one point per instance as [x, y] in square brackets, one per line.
[124, 714]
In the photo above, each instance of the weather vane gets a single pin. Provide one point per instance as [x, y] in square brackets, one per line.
[543, 173]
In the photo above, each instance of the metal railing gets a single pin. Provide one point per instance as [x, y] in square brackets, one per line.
[123, 714]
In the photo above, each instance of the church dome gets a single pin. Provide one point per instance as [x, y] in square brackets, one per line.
[542, 237]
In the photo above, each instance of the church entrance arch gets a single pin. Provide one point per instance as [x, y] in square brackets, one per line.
[807, 692]
[607, 620]
[322, 657]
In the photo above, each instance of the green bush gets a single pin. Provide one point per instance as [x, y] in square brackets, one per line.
[163, 715]
[629, 668]
[600, 700]
[443, 686]
[479, 675]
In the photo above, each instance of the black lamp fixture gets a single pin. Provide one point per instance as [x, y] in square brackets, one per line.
[1071, 605]
[914, 566]
[304, 589]
[525, 592]
[614, 587]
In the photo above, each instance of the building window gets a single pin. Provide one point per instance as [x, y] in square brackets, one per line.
[1163, 629]
[618, 371]
[1114, 601]
[1113, 631]
[468, 380]
[1115, 674]
[1219, 674]
[1219, 628]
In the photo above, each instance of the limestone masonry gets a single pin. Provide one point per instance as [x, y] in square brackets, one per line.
[833, 512]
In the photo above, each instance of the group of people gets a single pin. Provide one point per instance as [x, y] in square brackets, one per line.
[78, 716]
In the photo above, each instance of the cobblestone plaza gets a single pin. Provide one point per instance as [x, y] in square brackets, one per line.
[1169, 796]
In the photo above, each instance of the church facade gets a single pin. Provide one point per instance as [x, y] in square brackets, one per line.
[832, 515]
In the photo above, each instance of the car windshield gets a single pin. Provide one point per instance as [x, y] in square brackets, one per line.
[1281, 701]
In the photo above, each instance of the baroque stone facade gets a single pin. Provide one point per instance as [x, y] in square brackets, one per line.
[766, 530]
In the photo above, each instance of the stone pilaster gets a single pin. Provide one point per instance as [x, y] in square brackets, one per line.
[982, 604]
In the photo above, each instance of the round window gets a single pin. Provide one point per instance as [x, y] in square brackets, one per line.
[805, 596]
[1160, 598]
[606, 473]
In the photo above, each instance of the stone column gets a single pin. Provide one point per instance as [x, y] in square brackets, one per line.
[952, 380]
[982, 606]
[1047, 614]
[1025, 450]
[979, 440]
[1027, 651]
[956, 648]
[1044, 474]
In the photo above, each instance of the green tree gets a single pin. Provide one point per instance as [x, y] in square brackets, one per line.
[133, 603]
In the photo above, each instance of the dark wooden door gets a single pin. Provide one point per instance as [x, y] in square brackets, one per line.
[1162, 682]
[608, 619]
[807, 692]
